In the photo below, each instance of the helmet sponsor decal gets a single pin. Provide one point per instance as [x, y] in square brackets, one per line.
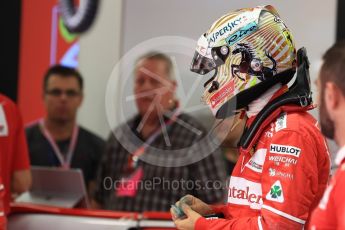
[226, 29]
[252, 65]
[223, 93]
[246, 30]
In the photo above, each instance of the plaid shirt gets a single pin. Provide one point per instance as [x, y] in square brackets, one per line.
[164, 179]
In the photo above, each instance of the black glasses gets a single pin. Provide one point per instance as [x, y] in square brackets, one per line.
[59, 92]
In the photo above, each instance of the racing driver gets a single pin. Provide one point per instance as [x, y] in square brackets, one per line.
[283, 165]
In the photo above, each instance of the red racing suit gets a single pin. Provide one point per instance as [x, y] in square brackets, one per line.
[331, 211]
[280, 178]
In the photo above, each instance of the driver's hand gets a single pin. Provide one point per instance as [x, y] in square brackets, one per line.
[196, 204]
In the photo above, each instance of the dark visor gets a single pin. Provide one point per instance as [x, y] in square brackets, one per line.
[206, 59]
[201, 64]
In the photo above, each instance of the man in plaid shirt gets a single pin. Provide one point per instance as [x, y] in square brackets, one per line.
[161, 154]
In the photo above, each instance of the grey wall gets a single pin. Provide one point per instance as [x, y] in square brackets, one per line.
[99, 51]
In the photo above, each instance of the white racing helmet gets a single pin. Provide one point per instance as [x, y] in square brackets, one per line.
[250, 50]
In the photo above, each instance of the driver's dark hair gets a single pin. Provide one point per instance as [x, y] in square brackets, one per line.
[333, 67]
[62, 71]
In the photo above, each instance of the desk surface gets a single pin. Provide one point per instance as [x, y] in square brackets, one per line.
[28, 216]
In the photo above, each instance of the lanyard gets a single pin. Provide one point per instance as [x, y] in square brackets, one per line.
[132, 162]
[65, 163]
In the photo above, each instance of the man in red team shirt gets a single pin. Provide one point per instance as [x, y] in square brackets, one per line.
[283, 166]
[330, 214]
[15, 176]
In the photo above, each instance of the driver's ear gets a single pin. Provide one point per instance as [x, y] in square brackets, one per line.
[332, 96]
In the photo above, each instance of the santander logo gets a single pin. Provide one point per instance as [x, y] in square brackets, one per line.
[245, 192]
[222, 93]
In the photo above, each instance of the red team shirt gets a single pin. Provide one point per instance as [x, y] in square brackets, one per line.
[14, 154]
[280, 178]
[330, 214]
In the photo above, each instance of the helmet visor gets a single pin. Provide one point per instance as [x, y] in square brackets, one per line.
[202, 62]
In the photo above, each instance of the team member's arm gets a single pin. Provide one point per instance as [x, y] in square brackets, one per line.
[21, 174]
[287, 194]
[21, 181]
[331, 209]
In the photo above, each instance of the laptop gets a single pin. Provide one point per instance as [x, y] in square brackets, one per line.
[56, 187]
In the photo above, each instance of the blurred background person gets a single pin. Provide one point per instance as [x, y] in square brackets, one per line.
[331, 84]
[15, 176]
[57, 140]
[158, 118]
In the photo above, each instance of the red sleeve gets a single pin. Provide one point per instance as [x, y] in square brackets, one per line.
[331, 210]
[338, 199]
[288, 190]
[20, 148]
